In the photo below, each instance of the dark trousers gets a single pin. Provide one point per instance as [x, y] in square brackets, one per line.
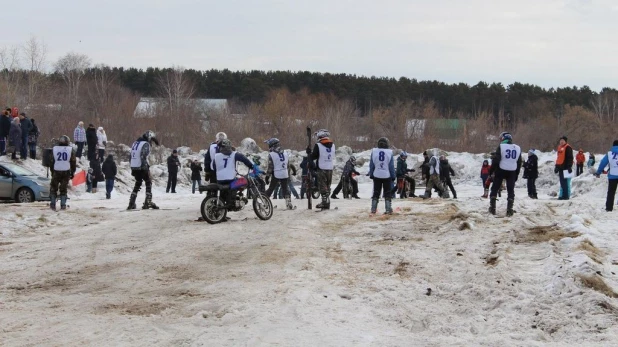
[339, 186]
[32, 147]
[80, 148]
[171, 182]
[101, 152]
[510, 177]
[2, 145]
[564, 185]
[449, 183]
[580, 169]
[303, 187]
[380, 184]
[109, 185]
[531, 184]
[24, 147]
[141, 176]
[281, 184]
[611, 194]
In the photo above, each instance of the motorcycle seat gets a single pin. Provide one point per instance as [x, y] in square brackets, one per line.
[213, 187]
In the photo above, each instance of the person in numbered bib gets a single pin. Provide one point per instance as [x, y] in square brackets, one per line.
[279, 169]
[62, 169]
[324, 153]
[505, 165]
[224, 166]
[140, 169]
[210, 175]
[382, 172]
[434, 177]
[611, 160]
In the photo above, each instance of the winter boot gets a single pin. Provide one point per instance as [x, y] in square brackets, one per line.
[509, 207]
[52, 202]
[492, 205]
[445, 194]
[355, 196]
[108, 195]
[388, 206]
[63, 202]
[148, 203]
[132, 205]
[485, 194]
[427, 194]
[374, 205]
[94, 190]
[288, 203]
[333, 196]
[325, 204]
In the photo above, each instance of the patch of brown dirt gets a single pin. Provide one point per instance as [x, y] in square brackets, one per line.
[402, 268]
[544, 233]
[134, 308]
[5, 243]
[592, 251]
[596, 282]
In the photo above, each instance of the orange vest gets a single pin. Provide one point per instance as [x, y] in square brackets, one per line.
[561, 153]
[580, 158]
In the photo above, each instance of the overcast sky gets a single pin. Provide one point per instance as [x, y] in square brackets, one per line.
[545, 42]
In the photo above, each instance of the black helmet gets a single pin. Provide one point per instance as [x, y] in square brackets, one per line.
[225, 147]
[63, 140]
[273, 143]
[383, 142]
[352, 160]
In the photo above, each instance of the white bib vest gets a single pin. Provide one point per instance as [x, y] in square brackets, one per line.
[136, 151]
[436, 168]
[62, 158]
[509, 156]
[213, 151]
[226, 166]
[381, 159]
[613, 163]
[327, 157]
[280, 165]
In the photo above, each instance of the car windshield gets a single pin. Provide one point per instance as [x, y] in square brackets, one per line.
[18, 170]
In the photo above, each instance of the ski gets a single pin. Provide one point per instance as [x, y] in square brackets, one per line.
[160, 209]
[329, 209]
[289, 209]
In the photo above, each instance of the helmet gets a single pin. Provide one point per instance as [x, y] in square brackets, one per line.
[150, 137]
[352, 159]
[273, 143]
[63, 140]
[220, 136]
[403, 154]
[505, 135]
[225, 147]
[383, 142]
[322, 133]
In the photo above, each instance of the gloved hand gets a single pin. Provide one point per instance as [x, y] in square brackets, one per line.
[393, 179]
[267, 180]
[570, 170]
[256, 169]
[556, 169]
[308, 150]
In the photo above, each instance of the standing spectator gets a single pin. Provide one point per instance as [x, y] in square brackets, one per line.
[531, 173]
[196, 176]
[580, 158]
[611, 160]
[5, 128]
[564, 162]
[484, 176]
[91, 140]
[15, 137]
[79, 137]
[26, 126]
[109, 170]
[95, 165]
[172, 168]
[445, 175]
[591, 161]
[33, 137]
[101, 141]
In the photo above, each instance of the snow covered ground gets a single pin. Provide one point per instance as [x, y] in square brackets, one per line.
[437, 273]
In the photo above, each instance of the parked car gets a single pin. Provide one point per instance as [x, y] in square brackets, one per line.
[21, 185]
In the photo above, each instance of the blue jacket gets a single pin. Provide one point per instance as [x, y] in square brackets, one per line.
[391, 168]
[605, 162]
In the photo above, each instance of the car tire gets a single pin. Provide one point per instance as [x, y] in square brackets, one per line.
[24, 195]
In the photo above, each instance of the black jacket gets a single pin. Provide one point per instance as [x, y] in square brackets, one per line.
[495, 162]
[91, 137]
[26, 126]
[446, 170]
[315, 154]
[5, 125]
[531, 167]
[195, 171]
[173, 163]
[96, 170]
[425, 166]
[109, 168]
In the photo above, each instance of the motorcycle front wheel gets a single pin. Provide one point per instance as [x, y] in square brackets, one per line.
[262, 206]
[211, 210]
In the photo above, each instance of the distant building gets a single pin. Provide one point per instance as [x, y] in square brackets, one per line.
[148, 107]
[444, 129]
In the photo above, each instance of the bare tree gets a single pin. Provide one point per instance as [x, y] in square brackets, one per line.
[10, 74]
[72, 68]
[35, 52]
[180, 108]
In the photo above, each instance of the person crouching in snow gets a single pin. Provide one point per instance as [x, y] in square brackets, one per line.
[279, 168]
[382, 172]
[611, 160]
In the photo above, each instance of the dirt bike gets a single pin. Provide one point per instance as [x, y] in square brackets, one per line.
[404, 185]
[347, 188]
[214, 208]
[315, 192]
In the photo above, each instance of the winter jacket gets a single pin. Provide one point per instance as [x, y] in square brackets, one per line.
[446, 170]
[304, 166]
[349, 169]
[173, 163]
[425, 166]
[15, 135]
[485, 171]
[564, 160]
[109, 168]
[5, 125]
[79, 134]
[402, 167]
[495, 161]
[91, 137]
[580, 158]
[96, 170]
[196, 168]
[605, 162]
[26, 126]
[101, 139]
[591, 161]
[33, 136]
[531, 167]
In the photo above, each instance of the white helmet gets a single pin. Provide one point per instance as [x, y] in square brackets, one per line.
[220, 136]
[322, 133]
